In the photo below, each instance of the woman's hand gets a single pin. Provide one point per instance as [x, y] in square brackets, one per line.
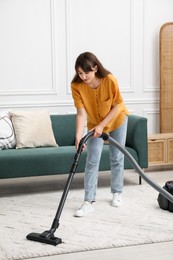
[77, 145]
[98, 130]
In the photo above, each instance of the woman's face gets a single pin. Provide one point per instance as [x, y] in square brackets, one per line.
[87, 77]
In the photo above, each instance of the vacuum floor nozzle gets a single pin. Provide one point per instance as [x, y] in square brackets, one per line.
[51, 240]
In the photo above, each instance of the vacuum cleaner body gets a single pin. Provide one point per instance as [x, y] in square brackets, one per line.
[163, 202]
[48, 235]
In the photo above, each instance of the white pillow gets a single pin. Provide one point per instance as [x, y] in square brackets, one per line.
[7, 137]
[33, 129]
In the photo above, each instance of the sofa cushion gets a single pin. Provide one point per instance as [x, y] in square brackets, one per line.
[33, 129]
[37, 161]
[7, 137]
[49, 161]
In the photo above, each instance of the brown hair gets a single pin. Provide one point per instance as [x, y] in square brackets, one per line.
[87, 61]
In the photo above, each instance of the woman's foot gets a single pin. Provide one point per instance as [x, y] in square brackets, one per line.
[117, 200]
[86, 208]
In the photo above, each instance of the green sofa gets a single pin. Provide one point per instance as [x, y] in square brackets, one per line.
[58, 160]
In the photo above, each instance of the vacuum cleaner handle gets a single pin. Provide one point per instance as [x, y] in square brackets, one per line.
[85, 138]
[79, 150]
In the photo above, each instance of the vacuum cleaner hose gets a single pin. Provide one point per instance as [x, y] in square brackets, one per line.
[132, 161]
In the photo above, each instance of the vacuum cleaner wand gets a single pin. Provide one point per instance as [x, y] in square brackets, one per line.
[48, 235]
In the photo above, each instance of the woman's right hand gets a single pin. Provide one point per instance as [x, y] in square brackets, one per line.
[77, 145]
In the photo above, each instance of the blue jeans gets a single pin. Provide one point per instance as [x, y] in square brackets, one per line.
[94, 150]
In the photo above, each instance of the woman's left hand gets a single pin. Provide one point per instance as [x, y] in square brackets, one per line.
[98, 130]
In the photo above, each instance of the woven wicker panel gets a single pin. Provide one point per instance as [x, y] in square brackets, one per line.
[170, 150]
[157, 152]
[166, 78]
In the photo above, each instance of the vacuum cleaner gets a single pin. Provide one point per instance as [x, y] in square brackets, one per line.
[48, 236]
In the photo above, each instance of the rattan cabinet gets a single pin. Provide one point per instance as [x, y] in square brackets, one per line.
[160, 149]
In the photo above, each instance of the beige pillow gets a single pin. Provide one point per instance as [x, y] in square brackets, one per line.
[32, 129]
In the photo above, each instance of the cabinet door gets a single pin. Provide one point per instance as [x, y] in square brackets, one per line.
[166, 78]
[170, 150]
[157, 151]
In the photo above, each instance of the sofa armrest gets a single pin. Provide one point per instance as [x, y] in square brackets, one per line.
[137, 138]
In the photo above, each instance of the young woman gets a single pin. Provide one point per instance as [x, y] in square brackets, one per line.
[98, 101]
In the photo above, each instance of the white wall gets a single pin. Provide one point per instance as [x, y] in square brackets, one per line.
[40, 40]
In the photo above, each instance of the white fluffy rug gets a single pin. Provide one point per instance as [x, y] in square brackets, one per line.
[138, 221]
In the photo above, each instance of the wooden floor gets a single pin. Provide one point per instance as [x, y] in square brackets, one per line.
[157, 251]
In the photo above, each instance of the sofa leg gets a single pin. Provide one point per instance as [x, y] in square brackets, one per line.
[140, 180]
